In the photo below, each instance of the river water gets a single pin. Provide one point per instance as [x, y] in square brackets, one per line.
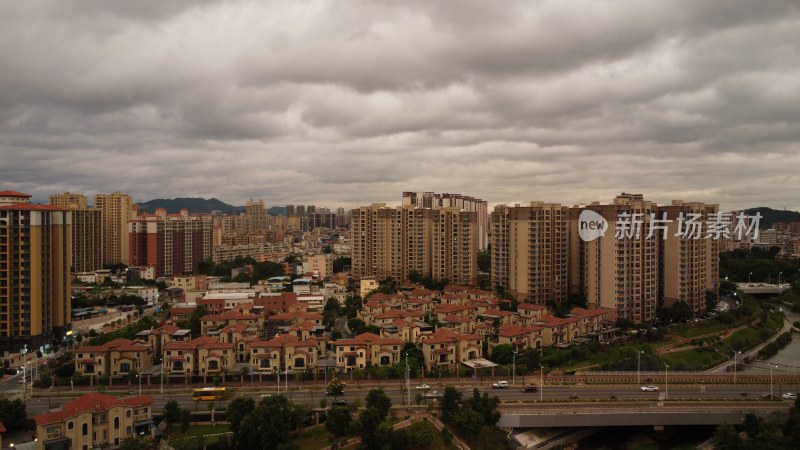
[787, 360]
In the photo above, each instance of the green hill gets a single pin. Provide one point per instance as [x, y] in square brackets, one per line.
[194, 205]
[769, 216]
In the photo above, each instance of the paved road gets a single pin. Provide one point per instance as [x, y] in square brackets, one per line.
[551, 395]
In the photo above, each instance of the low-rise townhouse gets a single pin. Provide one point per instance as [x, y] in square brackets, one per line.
[367, 349]
[282, 353]
[211, 323]
[115, 358]
[521, 337]
[94, 421]
[445, 349]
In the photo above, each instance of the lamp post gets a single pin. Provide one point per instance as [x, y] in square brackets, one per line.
[541, 381]
[514, 368]
[162, 370]
[779, 278]
[666, 381]
[408, 383]
[770, 380]
[749, 276]
[139, 376]
[639, 366]
[287, 374]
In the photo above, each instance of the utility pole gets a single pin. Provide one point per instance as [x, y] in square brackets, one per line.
[408, 383]
[514, 368]
[666, 381]
[541, 382]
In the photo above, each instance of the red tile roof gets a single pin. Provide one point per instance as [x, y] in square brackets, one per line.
[13, 194]
[93, 402]
[30, 207]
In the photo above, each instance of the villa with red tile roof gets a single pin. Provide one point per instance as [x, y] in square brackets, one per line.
[367, 349]
[94, 421]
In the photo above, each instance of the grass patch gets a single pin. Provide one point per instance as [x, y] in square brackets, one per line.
[490, 438]
[314, 438]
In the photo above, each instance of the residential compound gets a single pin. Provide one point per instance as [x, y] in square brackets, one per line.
[268, 335]
[645, 256]
[35, 281]
[398, 242]
[94, 421]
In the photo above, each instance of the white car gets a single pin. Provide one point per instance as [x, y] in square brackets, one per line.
[789, 396]
[649, 388]
[423, 386]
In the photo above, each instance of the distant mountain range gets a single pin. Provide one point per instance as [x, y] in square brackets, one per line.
[201, 205]
[769, 216]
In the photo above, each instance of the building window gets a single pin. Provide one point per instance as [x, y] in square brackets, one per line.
[70, 425]
[116, 423]
[85, 429]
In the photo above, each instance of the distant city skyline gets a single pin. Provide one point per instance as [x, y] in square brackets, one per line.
[346, 104]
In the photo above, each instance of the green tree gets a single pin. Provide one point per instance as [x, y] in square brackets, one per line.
[186, 420]
[341, 263]
[467, 421]
[335, 386]
[485, 260]
[727, 438]
[194, 320]
[237, 410]
[339, 421]
[172, 412]
[503, 354]
[377, 399]
[12, 414]
[374, 432]
[267, 427]
[451, 400]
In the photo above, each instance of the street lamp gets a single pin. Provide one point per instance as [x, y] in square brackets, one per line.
[639, 366]
[748, 277]
[541, 381]
[408, 383]
[735, 357]
[666, 381]
[514, 368]
[139, 376]
[770, 380]
[779, 278]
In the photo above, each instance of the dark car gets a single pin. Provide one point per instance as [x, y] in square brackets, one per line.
[10, 371]
[341, 402]
[769, 397]
[530, 389]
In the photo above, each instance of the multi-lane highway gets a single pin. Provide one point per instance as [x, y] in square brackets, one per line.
[554, 394]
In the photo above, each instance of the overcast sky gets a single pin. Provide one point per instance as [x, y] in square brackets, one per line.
[351, 102]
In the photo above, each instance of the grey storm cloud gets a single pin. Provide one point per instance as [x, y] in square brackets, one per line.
[349, 103]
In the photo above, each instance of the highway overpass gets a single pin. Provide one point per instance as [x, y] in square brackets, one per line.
[656, 414]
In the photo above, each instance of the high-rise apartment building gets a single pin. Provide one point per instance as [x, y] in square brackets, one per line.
[255, 216]
[431, 200]
[454, 246]
[689, 263]
[529, 249]
[394, 242]
[618, 273]
[116, 209]
[87, 231]
[35, 257]
[174, 244]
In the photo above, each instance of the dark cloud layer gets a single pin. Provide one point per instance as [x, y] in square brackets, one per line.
[347, 103]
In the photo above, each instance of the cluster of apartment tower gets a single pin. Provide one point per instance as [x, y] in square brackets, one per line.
[537, 254]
